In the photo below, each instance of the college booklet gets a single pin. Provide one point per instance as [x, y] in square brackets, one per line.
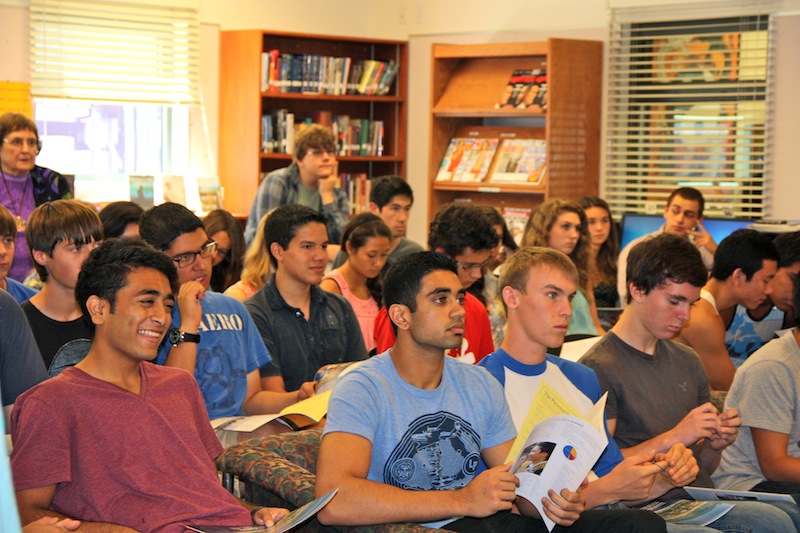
[297, 416]
[557, 446]
[290, 521]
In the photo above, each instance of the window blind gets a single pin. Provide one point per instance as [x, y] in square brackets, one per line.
[136, 51]
[689, 91]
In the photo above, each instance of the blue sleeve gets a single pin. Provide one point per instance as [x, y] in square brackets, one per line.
[495, 368]
[501, 427]
[346, 412]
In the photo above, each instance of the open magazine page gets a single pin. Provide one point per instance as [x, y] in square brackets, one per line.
[557, 446]
[290, 521]
[688, 512]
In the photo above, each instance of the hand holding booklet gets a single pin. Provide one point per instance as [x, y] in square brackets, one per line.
[556, 447]
[290, 521]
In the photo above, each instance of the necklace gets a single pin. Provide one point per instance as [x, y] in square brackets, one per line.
[17, 211]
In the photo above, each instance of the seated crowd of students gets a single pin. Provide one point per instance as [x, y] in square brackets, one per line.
[129, 446]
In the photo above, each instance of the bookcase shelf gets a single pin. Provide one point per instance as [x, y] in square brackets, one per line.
[242, 104]
[333, 97]
[467, 82]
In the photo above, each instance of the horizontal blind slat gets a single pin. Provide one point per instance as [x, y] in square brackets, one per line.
[689, 102]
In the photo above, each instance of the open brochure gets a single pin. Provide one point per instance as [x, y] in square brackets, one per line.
[556, 447]
[297, 416]
[290, 521]
[688, 512]
[329, 375]
[701, 493]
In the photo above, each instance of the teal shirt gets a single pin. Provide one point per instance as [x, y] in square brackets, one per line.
[581, 321]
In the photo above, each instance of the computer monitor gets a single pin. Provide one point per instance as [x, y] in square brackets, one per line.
[634, 225]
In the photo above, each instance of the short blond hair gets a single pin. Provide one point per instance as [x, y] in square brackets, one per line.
[517, 268]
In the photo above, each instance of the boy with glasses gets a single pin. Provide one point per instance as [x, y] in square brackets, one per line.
[308, 181]
[463, 233]
[212, 335]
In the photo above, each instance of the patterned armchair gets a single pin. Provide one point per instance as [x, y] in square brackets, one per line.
[280, 471]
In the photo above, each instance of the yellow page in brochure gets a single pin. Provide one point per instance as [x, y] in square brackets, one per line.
[547, 402]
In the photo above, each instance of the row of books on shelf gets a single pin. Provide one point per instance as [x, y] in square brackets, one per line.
[356, 187]
[316, 74]
[354, 136]
[495, 160]
[526, 89]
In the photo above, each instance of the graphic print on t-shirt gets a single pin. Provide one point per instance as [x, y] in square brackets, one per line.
[218, 378]
[439, 451]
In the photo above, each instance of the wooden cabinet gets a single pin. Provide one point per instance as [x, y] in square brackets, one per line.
[242, 104]
[467, 82]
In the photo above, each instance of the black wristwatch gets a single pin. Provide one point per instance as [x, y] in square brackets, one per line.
[177, 336]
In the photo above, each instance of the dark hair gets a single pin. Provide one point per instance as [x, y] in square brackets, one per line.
[8, 226]
[691, 194]
[384, 188]
[61, 220]
[229, 270]
[11, 122]
[746, 249]
[162, 224]
[665, 257]
[788, 246]
[458, 226]
[106, 270]
[360, 229]
[315, 136]
[606, 261]
[537, 233]
[478, 289]
[402, 281]
[283, 223]
[117, 215]
[496, 219]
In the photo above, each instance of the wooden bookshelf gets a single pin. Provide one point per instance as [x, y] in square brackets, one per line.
[467, 81]
[241, 160]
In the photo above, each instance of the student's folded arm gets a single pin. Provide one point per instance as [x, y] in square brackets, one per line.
[659, 442]
[771, 450]
[34, 504]
[260, 402]
[273, 383]
[343, 463]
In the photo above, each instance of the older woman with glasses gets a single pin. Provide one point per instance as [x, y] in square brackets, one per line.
[24, 185]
